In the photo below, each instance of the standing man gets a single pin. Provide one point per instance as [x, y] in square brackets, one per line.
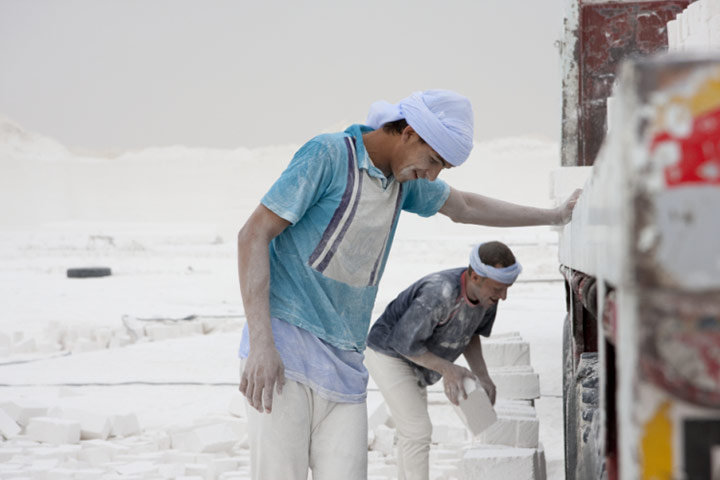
[310, 258]
[423, 331]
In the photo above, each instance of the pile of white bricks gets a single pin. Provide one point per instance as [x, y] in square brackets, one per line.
[57, 338]
[55, 442]
[508, 449]
[697, 28]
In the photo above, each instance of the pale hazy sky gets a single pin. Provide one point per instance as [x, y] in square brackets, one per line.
[230, 73]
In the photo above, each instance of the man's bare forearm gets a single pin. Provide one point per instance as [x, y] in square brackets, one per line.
[254, 274]
[474, 356]
[431, 361]
[472, 208]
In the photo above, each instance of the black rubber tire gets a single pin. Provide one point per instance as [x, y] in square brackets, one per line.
[569, 403]
[590, 457]
[89, 272]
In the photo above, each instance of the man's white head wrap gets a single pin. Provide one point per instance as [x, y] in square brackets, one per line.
[443, 119]
[506, 275]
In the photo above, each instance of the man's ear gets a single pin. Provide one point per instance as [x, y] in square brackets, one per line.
[407, 134]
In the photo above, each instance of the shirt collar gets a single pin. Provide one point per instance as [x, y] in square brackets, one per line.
[364, 162]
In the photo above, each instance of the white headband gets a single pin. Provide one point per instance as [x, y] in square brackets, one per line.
[506, 275]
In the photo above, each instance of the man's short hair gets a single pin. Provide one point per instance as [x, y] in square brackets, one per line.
[397, 127]
[494, 253]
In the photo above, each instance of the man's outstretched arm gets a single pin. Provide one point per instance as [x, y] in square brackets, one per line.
[472, 208]
[264, 368]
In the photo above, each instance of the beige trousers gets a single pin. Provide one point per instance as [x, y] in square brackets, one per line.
[407, 402]
[305, 431]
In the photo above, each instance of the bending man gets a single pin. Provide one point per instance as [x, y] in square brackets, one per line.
[423, 331]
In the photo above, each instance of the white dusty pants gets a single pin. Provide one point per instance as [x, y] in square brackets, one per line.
[407, 402]
[305, 431]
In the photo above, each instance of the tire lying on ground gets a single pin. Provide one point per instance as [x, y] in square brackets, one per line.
[88, 272]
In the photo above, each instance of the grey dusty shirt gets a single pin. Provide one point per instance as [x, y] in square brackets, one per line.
[435, 315]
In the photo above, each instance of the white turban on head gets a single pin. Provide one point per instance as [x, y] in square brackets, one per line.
[442, 118]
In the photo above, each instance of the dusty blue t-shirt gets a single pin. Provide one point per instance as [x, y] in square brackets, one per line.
[435, 315]
[325, 267]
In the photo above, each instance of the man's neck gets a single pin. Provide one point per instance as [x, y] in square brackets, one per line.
[378, 145]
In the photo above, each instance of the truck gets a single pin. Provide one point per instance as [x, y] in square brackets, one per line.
[641, 256]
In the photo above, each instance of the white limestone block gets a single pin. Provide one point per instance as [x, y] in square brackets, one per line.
[119, 339]
[475, 411]
[516, 382]
[714, 29]
[26, 345]
[92, 425]
[711, 8]
[238, 475]
[196, 469]
[88, 473]
[124, 424]
[513, 336]
[22, 410]
[218, 466]
[211, 438]
[448, 434]
[137, 468]
[512, 431]
[53, 430]
[95, 455]
[384, 439]
[188, 328]
[161, 331]
[85, 344]
[6, 453]
[48, 346]
[513, 408]
[693, 11]
[8, 426]
[171, 470]
[683, 32]
[502, 464]
[506, 353]
[672, 33]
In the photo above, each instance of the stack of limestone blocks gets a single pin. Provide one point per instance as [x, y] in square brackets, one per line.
[507, 449]
[697, 28]
[50, 440]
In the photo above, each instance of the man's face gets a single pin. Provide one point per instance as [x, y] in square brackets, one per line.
[486, 291]
[416, 159]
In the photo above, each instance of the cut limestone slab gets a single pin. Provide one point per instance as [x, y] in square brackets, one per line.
[498, 463]
[8, 426]
[475, 411]
[506, 353]
[92, 425]
[512, 431]
[22, 410]
[53, 430]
